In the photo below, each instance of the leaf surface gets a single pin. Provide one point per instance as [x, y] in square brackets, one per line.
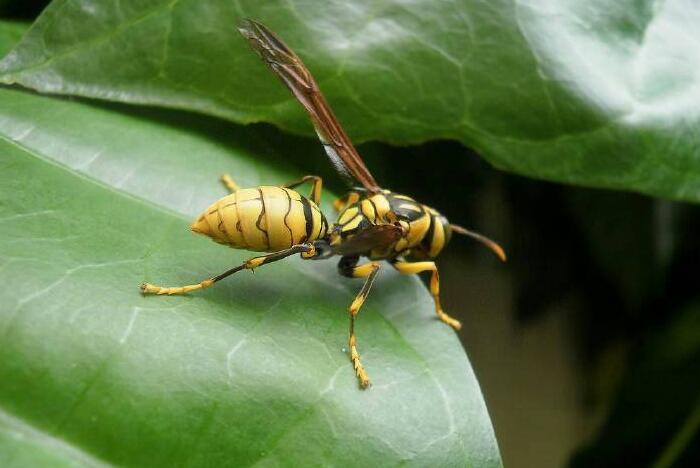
[10, 34]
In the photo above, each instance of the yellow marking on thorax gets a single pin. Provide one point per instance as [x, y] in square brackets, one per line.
[353, 223]
[368, 210]
[347, 215]
[382, 205]
[411, 206]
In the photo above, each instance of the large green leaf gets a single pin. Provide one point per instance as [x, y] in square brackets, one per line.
[96, 200]
[603, 93]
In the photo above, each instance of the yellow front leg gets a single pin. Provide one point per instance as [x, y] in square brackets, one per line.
[411, 268]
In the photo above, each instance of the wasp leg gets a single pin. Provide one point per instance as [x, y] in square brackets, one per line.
[306, 251]
[229, 183]
[341, 203]
[348, 267]
[410, 268]
[316, 185]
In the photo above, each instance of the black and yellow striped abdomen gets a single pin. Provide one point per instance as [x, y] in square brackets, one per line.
[427, 231]
[262, 219]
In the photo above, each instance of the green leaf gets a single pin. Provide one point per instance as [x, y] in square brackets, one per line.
[10, 34]
[96, 200]
[602, 93]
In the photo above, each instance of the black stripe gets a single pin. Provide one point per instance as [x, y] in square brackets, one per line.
[376, 213]
[221, 226]
[411, 215]
[323, 225]
[428, 239]
[260, 217]
[308, 216]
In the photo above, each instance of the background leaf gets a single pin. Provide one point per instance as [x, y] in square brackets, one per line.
[95, 201]
[10, 34]
[600, 93]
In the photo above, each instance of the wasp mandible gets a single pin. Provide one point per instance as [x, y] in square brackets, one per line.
[372, 222]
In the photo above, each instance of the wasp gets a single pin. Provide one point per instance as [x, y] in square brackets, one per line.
[373, 223]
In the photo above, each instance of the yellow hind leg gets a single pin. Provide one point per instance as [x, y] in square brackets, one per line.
[410, 268]
[341, 203]
[306, 251]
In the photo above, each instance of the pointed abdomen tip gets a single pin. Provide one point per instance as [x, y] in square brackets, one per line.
[201, 226]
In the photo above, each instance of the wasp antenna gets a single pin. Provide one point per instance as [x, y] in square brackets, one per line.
[497, 249]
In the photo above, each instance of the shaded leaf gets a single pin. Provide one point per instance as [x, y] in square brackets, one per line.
[657, 404]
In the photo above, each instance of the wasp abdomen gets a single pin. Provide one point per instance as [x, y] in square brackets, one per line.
[263, 219]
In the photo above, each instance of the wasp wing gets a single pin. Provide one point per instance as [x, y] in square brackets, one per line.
[376, 237]
[291, 70]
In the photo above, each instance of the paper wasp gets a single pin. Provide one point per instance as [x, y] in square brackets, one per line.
[372, 222]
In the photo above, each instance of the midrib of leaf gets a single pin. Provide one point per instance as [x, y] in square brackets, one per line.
[55, 444]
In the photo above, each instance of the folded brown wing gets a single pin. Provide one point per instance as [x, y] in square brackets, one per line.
[375, 237]
[291, 70]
